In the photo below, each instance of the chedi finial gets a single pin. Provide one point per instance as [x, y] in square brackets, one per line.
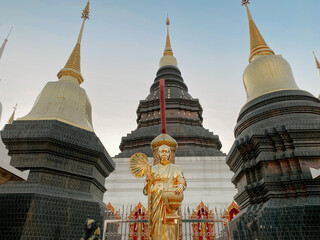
[266, 71]
[4, 43]
[72, 67]
[168, 58]
[86, 11]
[258, 46]
[245, 2]
[168, 49]
[317, 62]
[168, 21]
[12, 116]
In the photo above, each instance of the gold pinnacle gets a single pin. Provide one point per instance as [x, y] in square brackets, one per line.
[168, 49]
[245, 2]
[168, 21]
[72, 67]
[12, 116]
[9, 32]
[86, 11]
[258, 46]
[317, 62]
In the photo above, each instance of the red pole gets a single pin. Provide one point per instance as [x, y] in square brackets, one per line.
[163, 107]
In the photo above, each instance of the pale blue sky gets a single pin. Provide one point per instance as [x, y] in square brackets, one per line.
[124, 40]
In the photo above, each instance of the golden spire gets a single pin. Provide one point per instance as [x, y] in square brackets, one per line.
[317, 62]
[12, 116]
[258, 46]
[4, 43]
[168, 59]
[72, 67]
[168, 49]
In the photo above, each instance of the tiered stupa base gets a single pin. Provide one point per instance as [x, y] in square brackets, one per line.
[279, 219]
[277, 142]
[68, 167]
[35, 212]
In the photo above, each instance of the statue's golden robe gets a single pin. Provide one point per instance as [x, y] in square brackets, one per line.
[163, 177]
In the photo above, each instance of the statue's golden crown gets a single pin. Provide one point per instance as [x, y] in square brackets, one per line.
[164, 139]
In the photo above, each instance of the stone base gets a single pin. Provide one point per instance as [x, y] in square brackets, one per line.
[278, 220]
[37, 212]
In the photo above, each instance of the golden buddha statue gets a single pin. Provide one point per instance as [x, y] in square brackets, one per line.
[165, 184]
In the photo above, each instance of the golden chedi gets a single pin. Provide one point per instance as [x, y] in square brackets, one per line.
[65, 100]
[168, 58]
[266, 71]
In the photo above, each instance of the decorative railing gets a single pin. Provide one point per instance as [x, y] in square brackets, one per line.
[204, 226]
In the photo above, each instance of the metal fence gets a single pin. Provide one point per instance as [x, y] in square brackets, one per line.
[195, 225]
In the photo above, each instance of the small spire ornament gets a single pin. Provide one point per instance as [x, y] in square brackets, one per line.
[245, 2]
[317, 62]
[86, 11]
[168, 21]
[12, 116]
[4, 43]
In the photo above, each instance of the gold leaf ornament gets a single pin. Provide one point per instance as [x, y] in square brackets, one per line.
[139, 165]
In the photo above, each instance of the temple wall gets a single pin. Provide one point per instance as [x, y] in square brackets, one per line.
[208, 180]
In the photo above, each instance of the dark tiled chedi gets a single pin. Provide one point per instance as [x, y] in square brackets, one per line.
[277, 141]
[68, 167]
[184, 120]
